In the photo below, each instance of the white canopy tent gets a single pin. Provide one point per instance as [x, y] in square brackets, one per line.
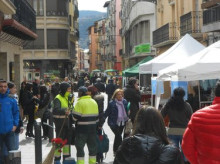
[185, 47]
[202, 65]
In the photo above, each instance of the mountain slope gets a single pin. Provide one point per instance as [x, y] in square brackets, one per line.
[86, 19]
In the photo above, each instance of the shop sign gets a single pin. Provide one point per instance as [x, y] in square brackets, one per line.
[143, 48]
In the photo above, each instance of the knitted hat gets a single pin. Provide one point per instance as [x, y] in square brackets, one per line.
[83, 90]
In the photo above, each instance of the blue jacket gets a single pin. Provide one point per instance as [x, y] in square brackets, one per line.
[112, 112]
[9, 113]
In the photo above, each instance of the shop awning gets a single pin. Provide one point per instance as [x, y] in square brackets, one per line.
[134, 70]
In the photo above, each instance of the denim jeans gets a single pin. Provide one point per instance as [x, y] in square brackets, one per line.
[177, 141]
[8, 140]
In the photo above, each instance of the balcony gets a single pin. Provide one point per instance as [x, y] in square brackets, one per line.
[57, 13]
[211, 19]
[191, 23]
[209, 3]
[23, 23]
[74, 35]
[165, 35]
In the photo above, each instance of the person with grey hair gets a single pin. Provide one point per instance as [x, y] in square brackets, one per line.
[201, 140]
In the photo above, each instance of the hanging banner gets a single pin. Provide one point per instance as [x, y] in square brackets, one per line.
[155, 86]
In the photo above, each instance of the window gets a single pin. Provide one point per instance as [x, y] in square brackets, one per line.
[38, 6]
[57, 39]
[57, 7]
[38, 43]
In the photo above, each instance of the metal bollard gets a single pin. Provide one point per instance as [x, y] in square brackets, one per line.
[15, 157]
[38, 143]
[51, 133]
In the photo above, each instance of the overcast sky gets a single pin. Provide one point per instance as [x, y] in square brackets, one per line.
[96, 5]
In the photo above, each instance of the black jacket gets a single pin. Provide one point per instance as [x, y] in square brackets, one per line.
[134, 97]
[143, 149]
[100, 86]
[100, 101]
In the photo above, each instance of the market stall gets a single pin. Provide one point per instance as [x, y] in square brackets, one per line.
[203, 65]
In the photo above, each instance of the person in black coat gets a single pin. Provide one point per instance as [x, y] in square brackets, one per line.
[55, 89]
[132, 95]
[99, 98]
[149, 143]
[110, 88]
[43, 105]
[99, 85]
[30, 103]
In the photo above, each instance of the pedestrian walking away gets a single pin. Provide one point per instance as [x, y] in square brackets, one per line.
[85, 115]
[149, 143]
[179, 113]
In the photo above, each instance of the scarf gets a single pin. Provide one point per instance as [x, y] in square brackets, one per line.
[122, 116]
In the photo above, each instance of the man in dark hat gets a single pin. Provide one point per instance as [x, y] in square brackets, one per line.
[60, 114]
[85, 115]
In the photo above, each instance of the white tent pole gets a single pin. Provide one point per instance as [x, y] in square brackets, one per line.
[199, 95]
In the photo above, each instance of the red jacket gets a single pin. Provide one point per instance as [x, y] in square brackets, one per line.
[201, 140]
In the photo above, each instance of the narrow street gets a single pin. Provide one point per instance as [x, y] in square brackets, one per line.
[27, 146]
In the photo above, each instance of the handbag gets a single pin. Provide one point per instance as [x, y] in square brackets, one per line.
[102, 143]
[128, 128]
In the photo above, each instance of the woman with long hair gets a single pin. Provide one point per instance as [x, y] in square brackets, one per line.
[149, 143]
[179, 113]
[132, 95]
[117, 116]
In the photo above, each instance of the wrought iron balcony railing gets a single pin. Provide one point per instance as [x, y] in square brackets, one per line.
[25, 14]
[57, 13]
[211, 15]
[165, 35]
[191, 23]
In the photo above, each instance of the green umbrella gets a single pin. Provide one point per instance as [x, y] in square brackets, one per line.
[111, 70]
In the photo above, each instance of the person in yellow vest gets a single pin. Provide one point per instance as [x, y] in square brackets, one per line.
[85, 114]
[60, 115]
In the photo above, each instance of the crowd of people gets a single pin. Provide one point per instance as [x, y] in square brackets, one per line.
[189, 138]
